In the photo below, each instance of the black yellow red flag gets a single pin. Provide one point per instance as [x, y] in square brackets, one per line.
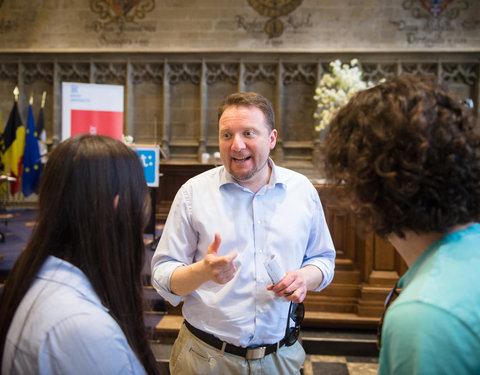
[12, 145]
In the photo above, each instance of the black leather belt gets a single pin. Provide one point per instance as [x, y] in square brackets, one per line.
[248, 353]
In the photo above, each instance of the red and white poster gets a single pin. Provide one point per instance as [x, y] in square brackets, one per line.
[93, 109]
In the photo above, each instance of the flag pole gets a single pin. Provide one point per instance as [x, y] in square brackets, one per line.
[44, 98]
[31, 99]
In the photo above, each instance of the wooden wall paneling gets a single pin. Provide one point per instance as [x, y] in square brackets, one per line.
[380, 275]
[202, 141]
[194, 81]
[8, 81]
[146, 105]
[278, 153]
[297, 108]
[129, 104]
[241, 76]
[174, 175]
[166, 109]
[222, 79]
[336, 305]
[339, 296]
[316, 155]
[366, 268]
[185, 79]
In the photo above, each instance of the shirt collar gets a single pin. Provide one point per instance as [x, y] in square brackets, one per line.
[62, 272]
[433, 248]
[276, 177]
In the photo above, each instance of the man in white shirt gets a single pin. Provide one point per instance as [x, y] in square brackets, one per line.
[253, 210]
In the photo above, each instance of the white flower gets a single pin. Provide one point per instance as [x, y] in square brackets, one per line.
[336, 88]
[127, 139]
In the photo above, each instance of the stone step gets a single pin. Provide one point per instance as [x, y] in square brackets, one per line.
[340, 342]
[162, 355]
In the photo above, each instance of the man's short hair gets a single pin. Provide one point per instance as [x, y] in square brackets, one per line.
[250, 99]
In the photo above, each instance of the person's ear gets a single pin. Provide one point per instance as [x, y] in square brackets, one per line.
[273, 138]
[115, 201]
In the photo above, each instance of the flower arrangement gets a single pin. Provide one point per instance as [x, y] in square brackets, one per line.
[336, 88]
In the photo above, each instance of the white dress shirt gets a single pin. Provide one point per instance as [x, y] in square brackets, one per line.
[61, 327]
[284, 218]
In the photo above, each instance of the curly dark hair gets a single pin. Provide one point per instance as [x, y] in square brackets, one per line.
[407, 154]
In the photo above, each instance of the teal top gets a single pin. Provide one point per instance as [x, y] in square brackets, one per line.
[433, 327]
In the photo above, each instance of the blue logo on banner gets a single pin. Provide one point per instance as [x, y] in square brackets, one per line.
[147, 157]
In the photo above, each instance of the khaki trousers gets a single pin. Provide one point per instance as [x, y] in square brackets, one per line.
[191, 355]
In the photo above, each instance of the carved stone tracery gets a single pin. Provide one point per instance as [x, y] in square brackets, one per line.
[34, 72]
[147, 72]
[109, 73]
[222, 72]
[9, 72]
[375, 72]
[74, 72]
[306, 73]
[419, 68]
[282, 71]
[184, 72]
[260, 72]
[459, 73]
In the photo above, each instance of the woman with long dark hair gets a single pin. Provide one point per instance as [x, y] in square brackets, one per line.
[73, 300]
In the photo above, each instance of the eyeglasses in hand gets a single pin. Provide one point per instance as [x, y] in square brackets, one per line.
[296, 312]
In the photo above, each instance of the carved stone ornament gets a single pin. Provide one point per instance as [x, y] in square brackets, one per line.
[35, 72]
[435, 7]
[109, 73]
[120, 11]
[76, 72]
[274, 9]
[222, 72]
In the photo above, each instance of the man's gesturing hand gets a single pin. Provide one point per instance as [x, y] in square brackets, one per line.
[219, 268]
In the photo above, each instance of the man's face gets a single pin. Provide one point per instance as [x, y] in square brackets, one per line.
[245, 142]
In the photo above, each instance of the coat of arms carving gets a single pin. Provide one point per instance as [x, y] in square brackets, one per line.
[435, 7]
[274, 9]
[121, 11]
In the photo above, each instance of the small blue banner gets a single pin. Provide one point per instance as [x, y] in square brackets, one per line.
[149, 157]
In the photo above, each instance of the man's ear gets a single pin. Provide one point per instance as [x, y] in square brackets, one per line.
[273, 139]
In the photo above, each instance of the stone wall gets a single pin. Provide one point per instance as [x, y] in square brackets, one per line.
[178, 58]
[238, 25]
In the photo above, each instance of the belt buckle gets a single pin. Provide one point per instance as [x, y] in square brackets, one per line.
[256, 353]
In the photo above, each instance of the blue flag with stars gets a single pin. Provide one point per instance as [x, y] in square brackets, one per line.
[31, 157]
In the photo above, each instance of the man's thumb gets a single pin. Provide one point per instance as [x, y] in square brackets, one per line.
[213, 248]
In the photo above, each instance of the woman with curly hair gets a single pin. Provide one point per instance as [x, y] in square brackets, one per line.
[407, 155]
[72, 303]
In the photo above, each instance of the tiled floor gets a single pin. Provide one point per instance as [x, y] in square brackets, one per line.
[313, 365]
[340, 365]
